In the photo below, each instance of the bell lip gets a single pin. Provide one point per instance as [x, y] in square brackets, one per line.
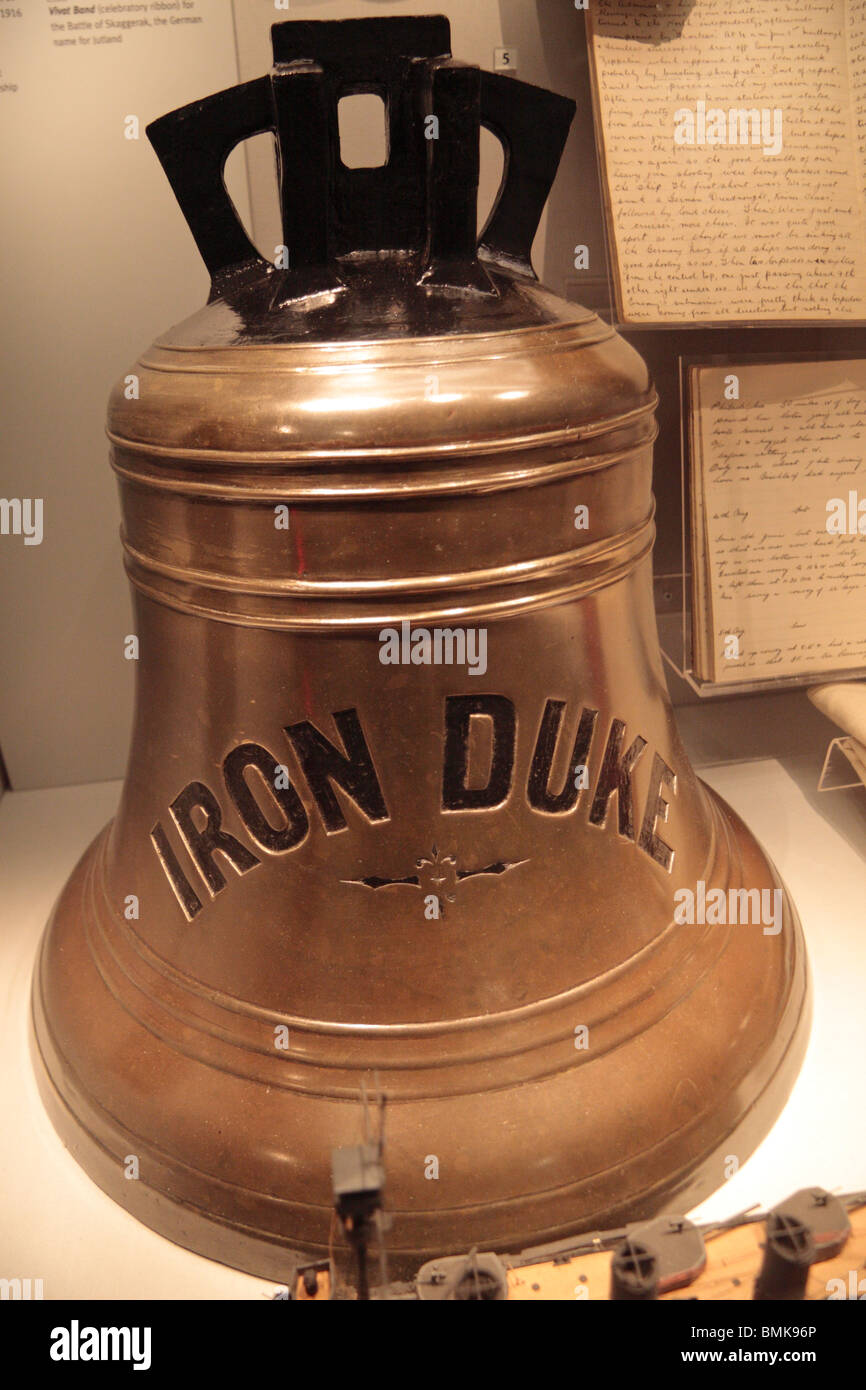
[265, 1253]
[270, 1258]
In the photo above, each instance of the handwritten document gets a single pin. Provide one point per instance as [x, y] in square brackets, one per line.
[733, 149]
[778, 532]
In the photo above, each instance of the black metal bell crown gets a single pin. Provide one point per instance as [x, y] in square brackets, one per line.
[422, 199]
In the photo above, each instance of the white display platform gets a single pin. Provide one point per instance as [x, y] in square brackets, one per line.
[56, 1225]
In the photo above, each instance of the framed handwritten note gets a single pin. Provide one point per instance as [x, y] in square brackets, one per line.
[732, 141]
[777, 470]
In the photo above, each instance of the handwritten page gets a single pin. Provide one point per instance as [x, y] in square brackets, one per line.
[718, 230]
[779, 536]
[855, 39]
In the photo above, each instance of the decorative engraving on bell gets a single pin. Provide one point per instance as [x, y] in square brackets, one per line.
[405, 793]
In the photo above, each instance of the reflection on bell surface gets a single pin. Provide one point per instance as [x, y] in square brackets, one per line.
[405, 794]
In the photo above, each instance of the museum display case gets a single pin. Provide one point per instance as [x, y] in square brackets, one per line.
[483, 894]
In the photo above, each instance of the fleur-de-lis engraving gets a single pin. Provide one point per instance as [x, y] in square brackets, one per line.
[438, 876]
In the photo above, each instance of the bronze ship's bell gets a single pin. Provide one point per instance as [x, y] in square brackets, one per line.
[405, 797]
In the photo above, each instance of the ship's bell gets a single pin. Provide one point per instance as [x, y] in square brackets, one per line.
[406, 806]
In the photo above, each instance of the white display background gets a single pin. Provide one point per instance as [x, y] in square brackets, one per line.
[97, 260]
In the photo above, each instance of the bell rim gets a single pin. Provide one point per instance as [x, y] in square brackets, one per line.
[267, 1253]
[269, 1257]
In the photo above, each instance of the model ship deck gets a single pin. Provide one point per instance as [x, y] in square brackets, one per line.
[822, 1239]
